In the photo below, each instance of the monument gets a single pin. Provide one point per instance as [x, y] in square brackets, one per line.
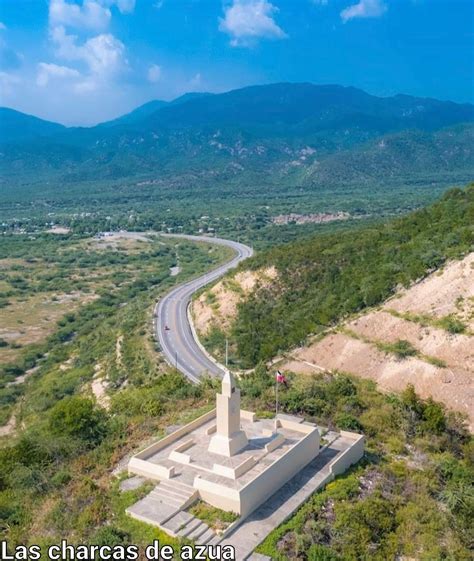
[229, 437]
[231, 460]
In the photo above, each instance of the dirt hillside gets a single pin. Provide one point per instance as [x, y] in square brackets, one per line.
[436, 318]
[217, 306]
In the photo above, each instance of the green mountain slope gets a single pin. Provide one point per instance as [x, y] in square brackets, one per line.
[323, 279]
[137, 114]
[279, 132]
[19, 127]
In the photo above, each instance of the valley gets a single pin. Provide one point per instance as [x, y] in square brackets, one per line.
[230, 163]
[359, 290]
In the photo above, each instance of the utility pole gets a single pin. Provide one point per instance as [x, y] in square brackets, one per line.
[176, 360]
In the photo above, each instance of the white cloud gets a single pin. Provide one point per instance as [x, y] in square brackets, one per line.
[103, 54]
[8, 82]
[154, 73]
[196, 81]
[103, 57]
[247, 20]
[89, 15]
[47, 71]
[364, 9]
[126, 6]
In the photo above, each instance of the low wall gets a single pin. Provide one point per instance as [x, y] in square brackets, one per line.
[350, 456]
[149, 470]
[275, 443]
[235, 472]
[176, 435]
[296, 426]
[248, 415]
[278, 473]
[180, 457]
[218, 495]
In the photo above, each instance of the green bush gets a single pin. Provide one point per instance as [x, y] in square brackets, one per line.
[79, 417]
[401, 348]
[452, 324]
[321, 553]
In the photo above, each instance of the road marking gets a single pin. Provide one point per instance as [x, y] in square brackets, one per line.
[176, 302]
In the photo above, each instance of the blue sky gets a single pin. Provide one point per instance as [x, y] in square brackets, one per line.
[86, 61]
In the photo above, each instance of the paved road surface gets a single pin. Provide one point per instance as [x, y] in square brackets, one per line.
[178, 344]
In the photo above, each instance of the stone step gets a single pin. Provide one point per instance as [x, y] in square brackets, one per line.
[196, 534]
[190, 527]
[183, 496]
[215, 540]
[163, 492]
[165, 499]
[177, 486]
[178, 522]
[152, 511]
[208, 535]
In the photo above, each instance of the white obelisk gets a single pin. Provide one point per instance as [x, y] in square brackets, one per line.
[229, 437]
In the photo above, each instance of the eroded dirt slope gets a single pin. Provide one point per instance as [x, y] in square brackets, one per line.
[434, 316]
[217, 306]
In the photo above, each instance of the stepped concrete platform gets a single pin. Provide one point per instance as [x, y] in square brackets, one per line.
[165, 506]
[280, 506]
[166, 500]
[232, 460]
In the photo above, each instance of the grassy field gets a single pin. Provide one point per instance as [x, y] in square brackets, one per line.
[60, 288]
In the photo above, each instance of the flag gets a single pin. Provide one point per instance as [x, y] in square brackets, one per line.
[280, 378]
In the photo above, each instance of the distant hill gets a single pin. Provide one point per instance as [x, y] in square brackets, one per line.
[19, 127]
[147, 109]
[137, 114]
[298, 133]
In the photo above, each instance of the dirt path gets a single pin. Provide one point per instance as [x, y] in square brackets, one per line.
[9, 428]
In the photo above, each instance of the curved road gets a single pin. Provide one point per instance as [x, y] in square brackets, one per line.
[178, 343]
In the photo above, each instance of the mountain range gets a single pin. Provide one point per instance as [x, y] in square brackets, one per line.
[298, 133]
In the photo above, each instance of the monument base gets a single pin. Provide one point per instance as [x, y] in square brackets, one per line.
[228, 446]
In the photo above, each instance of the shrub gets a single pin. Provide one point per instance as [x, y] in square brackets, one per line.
[401, 348]
[320, 553]
[345, 421]
[80, 418]
[452, 324]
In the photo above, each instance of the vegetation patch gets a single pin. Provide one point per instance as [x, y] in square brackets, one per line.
[326, 278]
[408, 497]
[449, 323]
[215, 518]
[401, 348]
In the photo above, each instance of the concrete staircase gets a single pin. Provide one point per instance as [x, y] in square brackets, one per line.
[166, 500]
[185, 525]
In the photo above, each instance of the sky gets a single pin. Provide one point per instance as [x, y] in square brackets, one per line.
[80, 62]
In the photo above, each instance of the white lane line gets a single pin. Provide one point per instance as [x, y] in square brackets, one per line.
[178, 300]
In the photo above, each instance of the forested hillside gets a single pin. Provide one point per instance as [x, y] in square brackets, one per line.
[325, 278]
[302, 133]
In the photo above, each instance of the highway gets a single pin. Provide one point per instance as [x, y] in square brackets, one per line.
[172, 327]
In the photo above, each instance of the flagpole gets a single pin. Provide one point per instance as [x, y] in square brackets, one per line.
[276, 402]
